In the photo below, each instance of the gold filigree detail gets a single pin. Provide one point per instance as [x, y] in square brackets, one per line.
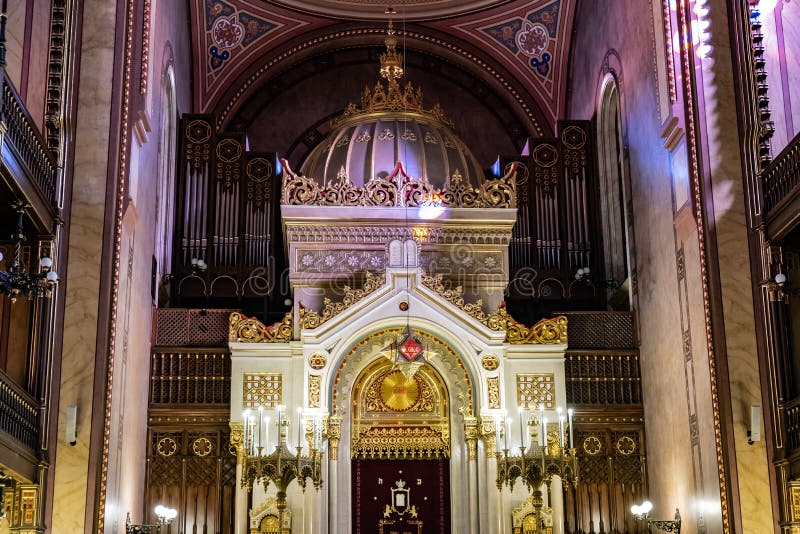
[592, 445]
[314, 391]
[332, 431]
[398, 392]
[493, 391]
[402, 442]
[236, 440]
[399, 190]
[250, 330]
[312, 319]
[471, 435]
[545, 332]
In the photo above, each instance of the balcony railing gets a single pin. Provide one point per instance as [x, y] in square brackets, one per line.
[183, 327]
[33, 156]
[18, 413]
[603, 377]
[782, 177]
[190, 377]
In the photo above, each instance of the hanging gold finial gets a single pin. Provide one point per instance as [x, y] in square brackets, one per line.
[391, 61]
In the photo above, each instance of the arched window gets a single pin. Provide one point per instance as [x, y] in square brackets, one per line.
[165, 196]
[613, 195]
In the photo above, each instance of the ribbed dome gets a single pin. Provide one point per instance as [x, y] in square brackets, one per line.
[369, 145]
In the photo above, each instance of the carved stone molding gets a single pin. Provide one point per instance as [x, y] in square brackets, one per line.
[380, 235]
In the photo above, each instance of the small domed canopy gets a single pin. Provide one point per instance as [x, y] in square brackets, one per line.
[392, 126]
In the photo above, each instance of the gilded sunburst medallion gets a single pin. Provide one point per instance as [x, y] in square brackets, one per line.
[399, 393]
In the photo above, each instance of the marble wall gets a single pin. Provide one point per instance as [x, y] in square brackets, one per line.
[169, 43]
[627, 39]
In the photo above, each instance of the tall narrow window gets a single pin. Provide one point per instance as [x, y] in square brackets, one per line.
[165, 200]
[613, 196]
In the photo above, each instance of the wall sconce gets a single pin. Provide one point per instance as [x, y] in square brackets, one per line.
[17, 281]
[642, 513]
[165, 516]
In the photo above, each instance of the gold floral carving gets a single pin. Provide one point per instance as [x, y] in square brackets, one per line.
[314, 391]
[312, 319]
[250, 330]
[471, 435]
[493, 389]
[332, 431]
[236, 445]
[545, 332]
[488, 433]
[402, 442]
[534, 389]
[202, 446]
[166, 446]
[399, 190]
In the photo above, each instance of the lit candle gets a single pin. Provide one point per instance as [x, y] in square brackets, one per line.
[266, 430]
[569, 415]
[544, 425]
[280, 422]
[561, 431]
[299, 411]
[541, 425]
[521, 430]
[244, 428]
[508, 430]
[260, 423]
[252, 425]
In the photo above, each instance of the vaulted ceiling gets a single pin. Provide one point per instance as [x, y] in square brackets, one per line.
[522, 44]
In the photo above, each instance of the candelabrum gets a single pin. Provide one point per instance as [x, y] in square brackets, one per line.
[282, 466]
[165, 516]
[536, 466]
[642, 513]
[16, 281]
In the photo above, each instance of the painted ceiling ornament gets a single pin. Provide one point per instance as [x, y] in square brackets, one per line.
[408, 353]
[227, 32]
[533, 39]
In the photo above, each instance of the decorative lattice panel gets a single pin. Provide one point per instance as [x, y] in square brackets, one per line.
[536, 389]
[190, 328]
[601, 330]
[262, 389]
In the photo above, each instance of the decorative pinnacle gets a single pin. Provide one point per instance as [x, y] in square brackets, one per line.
[391, 61]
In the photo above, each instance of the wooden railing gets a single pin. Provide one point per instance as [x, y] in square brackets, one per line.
[792, 411]
[27, 142]
[603, 377]
[782, 177]
[18, 413]
[186, 376]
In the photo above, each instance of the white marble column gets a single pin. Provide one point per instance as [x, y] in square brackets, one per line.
[333, 511]
[557, 504]
[472, 475]
[494, 499]
[240, 513]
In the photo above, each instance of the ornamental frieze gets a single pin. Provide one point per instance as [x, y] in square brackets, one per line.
[344, 233]
[463, 262]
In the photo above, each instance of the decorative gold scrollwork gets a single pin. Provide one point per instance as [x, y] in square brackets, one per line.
[311, 319]
[250, 330]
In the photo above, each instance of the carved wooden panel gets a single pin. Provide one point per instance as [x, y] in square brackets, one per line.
[192, 470]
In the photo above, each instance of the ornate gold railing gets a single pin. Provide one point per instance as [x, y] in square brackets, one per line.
[782, 177]
[18, 413]
[603, 377]
[26, 140]
[190, 377]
